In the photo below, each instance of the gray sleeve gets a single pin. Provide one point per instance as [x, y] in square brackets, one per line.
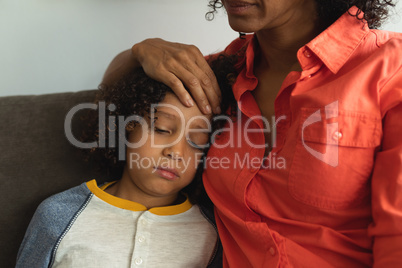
[51, 221]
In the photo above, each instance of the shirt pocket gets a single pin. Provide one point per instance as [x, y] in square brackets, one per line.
[334, 158]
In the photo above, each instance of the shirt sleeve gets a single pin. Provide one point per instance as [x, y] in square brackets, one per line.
[386, 228]
[36, 248]
[51, 220]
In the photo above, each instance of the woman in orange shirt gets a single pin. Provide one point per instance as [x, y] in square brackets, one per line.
[309, 173]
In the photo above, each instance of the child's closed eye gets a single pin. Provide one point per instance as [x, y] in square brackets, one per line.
[161, 131]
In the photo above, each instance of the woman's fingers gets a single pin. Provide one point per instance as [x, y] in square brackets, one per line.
[194, 86]
[209, 84]
[180, 66]
[203, 77]
[172, 81]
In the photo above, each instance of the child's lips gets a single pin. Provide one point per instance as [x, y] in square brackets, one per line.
[167, 173]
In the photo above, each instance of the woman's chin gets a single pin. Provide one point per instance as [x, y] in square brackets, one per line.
[242, 27]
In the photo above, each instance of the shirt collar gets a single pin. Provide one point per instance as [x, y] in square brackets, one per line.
[336, 44]
[134, 206]
[333, 47]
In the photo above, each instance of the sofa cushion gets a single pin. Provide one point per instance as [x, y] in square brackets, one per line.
[36, 160]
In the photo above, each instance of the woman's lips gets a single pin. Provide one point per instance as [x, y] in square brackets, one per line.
[167, 173]
[237, 7]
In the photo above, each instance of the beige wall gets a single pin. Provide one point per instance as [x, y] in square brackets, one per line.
[65, 45]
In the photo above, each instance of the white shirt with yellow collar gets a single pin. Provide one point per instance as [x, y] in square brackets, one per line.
[107, 231]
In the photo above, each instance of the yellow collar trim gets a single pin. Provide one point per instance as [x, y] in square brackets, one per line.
[134, 206]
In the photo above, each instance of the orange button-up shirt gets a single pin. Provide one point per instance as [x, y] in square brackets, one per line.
[329, 194]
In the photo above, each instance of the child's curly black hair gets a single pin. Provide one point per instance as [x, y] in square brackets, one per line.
[375, 11]
[133, 95]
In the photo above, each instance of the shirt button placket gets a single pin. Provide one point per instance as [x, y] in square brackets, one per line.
[307, 54]
[140, 242]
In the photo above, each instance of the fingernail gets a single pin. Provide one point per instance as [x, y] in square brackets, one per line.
[190, 102]
[218, 110]
[208, 109]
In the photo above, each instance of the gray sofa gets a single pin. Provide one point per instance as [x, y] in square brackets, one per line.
[36, 160]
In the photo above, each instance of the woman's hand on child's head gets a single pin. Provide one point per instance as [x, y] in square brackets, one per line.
[180, 66]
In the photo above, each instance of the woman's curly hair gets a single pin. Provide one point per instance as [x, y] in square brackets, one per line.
[375, 11]
[134, 94]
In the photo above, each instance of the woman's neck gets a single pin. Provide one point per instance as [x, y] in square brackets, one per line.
[279, 46]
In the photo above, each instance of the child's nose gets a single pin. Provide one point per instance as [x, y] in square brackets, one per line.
[176, 150]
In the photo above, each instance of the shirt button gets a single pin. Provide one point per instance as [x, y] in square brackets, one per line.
[272, 251]
[307, 53]
[138, 261]
[141, 239]
[337, 135]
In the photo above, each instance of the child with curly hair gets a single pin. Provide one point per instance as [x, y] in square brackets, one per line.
[157, 214]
